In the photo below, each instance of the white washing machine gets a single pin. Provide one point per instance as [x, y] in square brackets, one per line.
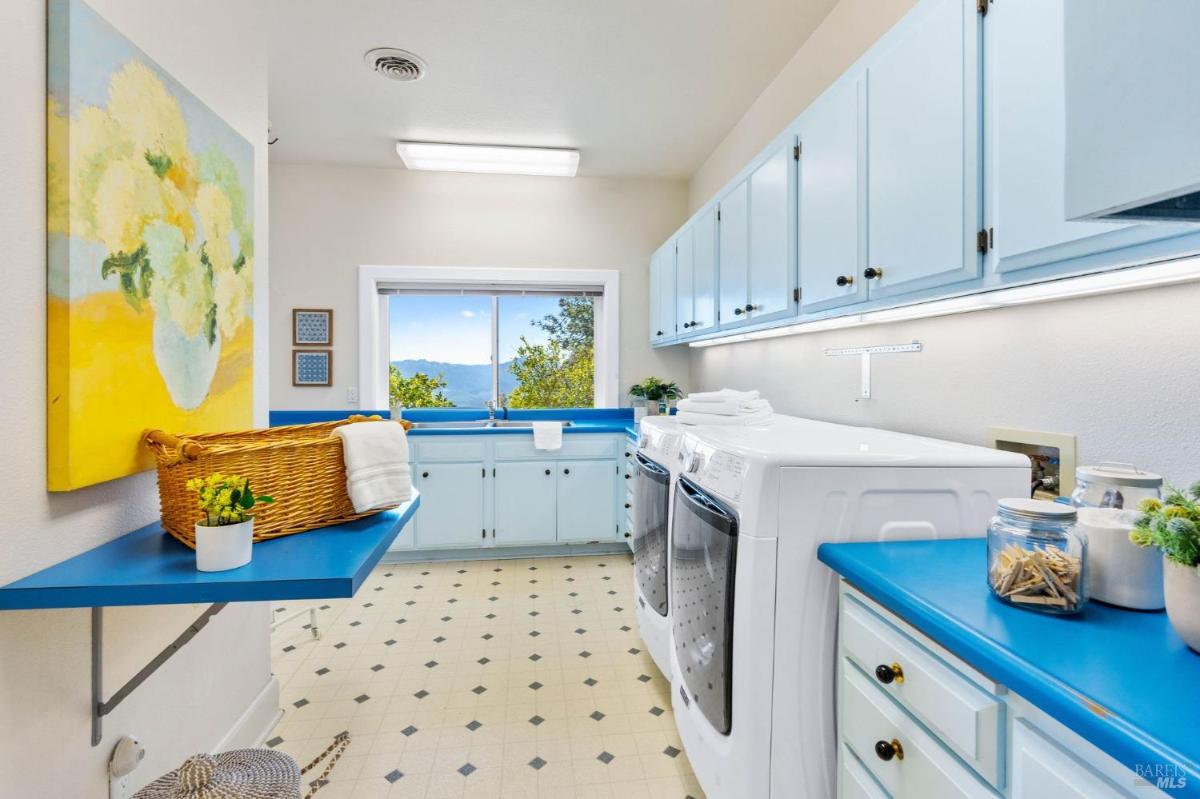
[654, 470]
[754, 612]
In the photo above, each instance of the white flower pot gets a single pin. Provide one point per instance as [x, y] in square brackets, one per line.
[224, 547]
[1181, 587]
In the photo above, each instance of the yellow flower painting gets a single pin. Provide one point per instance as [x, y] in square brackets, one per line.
[150, 274]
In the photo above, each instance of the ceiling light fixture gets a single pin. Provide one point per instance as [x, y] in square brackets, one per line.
[492, 159]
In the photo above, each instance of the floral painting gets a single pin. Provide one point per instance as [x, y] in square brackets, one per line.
[150, 256]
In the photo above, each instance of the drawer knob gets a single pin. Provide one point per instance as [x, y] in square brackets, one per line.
[547, 471]
[845, 280]
[627, 505]
[889, 674]
[424, 474]
[886, 750]
[873, 272]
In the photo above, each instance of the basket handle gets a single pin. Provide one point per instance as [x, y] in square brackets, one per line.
[185, 448]
[358, 417]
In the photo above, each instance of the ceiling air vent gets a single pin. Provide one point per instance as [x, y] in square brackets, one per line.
[396, 64]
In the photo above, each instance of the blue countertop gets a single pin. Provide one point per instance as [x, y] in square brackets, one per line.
[1121, 679]
[583, 420]
[149, 567]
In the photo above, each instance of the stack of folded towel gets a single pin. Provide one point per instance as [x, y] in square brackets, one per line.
[377, 471]
[724, 407]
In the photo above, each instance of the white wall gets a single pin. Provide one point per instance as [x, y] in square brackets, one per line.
[326, 221]
[215, 47]
[1122, 372]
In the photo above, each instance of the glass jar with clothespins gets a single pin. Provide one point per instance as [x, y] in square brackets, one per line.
[1037, 559]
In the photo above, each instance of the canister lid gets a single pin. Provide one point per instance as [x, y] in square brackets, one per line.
[1118, 474]
[1037, 509]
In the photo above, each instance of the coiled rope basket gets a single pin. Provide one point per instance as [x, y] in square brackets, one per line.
[299, 465]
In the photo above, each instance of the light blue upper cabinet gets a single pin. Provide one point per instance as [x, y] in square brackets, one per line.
[451, 509]
[662, 294]
[703, 318]
[587, 500]
[1026, 122]
[684, 270]
[923, 205]
[832, 226]
[525, 503]
[773, 236]
[734, 255]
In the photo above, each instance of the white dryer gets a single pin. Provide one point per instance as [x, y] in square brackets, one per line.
[754, 612]
[654, 470]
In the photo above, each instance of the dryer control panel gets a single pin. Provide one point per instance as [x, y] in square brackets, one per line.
[716, 470]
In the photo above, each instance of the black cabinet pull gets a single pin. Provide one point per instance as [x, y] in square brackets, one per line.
[738, 312]
[845, 280]
[628, 477]
[547, 471]
[889, 674]
[628, 505]
[873, 273]
[886, 750]
[566, 471]
[424, 474]
[686, 325]
[659, 333]
[629, 535]
[749, 308]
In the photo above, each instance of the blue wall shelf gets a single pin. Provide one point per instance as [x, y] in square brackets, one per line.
[148, 567]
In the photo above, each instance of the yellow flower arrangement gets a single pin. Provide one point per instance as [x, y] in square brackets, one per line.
[225, 499]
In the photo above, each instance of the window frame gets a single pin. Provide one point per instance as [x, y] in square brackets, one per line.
[373, 317]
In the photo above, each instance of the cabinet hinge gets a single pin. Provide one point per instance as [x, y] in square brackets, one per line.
[796, 152]
[493, 471]
[483, 533]
[982, 241]
[795, 295]
[483, 473]
[718, 214]
[982, 7]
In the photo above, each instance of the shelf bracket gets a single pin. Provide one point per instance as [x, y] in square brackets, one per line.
[102, 707]
[865, 354]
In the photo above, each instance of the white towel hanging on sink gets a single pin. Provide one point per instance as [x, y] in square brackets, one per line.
[547, 435]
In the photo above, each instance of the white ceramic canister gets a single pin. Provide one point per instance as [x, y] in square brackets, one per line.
[1120, 572]
[224, 547]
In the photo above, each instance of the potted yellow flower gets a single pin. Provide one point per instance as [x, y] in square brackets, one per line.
[225, 534]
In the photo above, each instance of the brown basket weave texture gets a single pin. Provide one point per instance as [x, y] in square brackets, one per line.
[299, 465]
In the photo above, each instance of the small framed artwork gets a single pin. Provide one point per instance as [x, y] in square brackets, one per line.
[312, 327]
[312, 367]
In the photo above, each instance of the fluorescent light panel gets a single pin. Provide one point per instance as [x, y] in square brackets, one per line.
[491, 159]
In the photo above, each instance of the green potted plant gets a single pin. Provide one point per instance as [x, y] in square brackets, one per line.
[225, 534]
[1173, 526]
[655, 392]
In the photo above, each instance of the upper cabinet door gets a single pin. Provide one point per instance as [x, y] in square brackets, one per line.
[734, 256]
[684, 270]
[704, 273]
[923, 151]
[772, 237]
[1026, 119]
[662, 294]
[832, 227]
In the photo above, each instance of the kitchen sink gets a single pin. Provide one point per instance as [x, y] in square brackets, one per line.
[477, 423]
[506, 423]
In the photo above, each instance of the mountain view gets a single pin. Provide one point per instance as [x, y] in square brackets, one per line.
[468, 385]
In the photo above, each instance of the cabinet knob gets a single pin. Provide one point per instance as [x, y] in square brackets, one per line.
[547, 471]
[749, 308]
[659, 333]
[889, 674]
[886, 750]
[566, 471]
[629, 535]
[687, 325]
[695, 323]
[845, 280]
[627, 505]
[738, 312]
[628, 454]
[873, 273]
[627, 477]
[424, 474]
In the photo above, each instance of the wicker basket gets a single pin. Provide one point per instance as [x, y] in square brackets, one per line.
[299, 465]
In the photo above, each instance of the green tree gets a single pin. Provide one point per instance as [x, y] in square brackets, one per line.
[418, 391]
[559, 373]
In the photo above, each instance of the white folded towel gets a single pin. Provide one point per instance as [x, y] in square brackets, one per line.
[757, 417]
[724, 395]
[547, 435]
[729, 407]
[377, 471]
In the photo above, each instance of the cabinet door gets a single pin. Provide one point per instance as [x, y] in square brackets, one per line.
[1026, 111]
[451, 511]
[1041, 770]
[923, 151]
[704, 273]
[662, 295]
[772, 250]
[652, 297]
[733, 261]
[684, 278]
[586, 500]
[524, 503]
[832, 225]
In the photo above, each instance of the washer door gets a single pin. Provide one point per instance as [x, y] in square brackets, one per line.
[651, 495]
[703, 560]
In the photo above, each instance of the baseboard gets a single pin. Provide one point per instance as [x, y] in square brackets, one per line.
[507, 553]
[255, 724]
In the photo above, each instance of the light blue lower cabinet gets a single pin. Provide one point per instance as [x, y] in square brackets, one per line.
[524, 503]
[586, 505]
[451, 512]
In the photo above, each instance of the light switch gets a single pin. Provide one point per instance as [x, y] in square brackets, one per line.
[352, 394]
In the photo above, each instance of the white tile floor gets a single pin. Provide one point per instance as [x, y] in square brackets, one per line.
[496, 678]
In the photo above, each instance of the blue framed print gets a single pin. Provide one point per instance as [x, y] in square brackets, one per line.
[312, 367]
[312, 327]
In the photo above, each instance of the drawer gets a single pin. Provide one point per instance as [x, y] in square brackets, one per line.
[448, 448]
[854, 781]
[923, 768]
[966, 719]
[511, 448]
[1040, 768]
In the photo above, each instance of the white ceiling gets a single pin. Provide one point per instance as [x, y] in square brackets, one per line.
[640, 87]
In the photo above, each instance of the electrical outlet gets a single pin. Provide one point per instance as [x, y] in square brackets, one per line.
[1051, 457]
[352, 394]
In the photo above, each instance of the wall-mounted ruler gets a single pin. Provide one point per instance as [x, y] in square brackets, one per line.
[865, 354]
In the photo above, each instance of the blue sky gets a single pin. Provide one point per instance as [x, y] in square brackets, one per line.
[457, 329]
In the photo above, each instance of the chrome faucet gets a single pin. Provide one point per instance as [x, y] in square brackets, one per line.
[491, 406]
[504, 405]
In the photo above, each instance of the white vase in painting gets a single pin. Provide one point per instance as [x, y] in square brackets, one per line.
[187, 365]
[224, 547]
